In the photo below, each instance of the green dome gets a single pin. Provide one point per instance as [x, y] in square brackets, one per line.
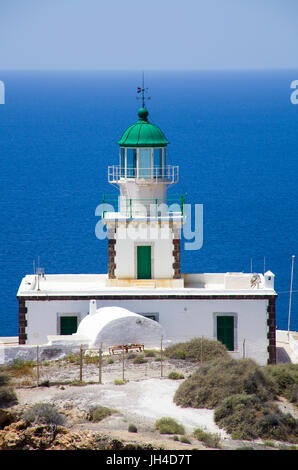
[143, 133]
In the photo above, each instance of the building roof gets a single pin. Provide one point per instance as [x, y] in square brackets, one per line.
[143, 133]
[88, 286]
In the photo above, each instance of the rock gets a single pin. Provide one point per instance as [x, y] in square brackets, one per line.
[20, 436]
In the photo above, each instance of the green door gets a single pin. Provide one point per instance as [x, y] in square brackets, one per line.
[144, 262]
[68, 325]
[225, 331]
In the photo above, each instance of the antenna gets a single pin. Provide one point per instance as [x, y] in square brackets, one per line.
[38, 273]
[290, 302]
[143, 90]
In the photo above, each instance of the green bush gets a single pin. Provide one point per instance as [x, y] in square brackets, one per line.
[175, 375]
[285, 377]
[132, 428]
[197, 349]
[185, 440]
[150, 353]
[247, 417]
[140, 360]
[98, 413]
[131, 355]
[78, 383]
[119, 382]
[210, 440]
[169, 426]
[221, 378]
[111, 361]
[43, 413]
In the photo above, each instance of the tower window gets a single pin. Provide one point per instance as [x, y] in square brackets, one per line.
[145, 163]
[158, 163]
[131, 163]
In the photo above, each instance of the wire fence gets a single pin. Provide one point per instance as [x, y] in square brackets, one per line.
[126, 362]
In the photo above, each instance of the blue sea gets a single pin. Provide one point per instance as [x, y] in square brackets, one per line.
[233, 134]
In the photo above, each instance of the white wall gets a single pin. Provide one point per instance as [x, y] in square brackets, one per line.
[181, 319]
[161, 240]
[43, 317]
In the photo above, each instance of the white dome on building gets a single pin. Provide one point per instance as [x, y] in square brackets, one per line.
[116, 325]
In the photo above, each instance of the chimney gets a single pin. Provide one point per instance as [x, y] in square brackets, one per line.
[92, 307]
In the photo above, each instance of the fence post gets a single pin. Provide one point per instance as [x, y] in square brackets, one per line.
[81, 363]
[37, 364]
[123, 362]
[100, 364]
[161, 365]
[201, 350]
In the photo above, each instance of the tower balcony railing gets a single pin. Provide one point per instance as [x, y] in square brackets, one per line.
[127, 208]
[156, 174]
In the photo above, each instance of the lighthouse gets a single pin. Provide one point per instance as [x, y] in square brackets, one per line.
[144, 279]
[144, 232]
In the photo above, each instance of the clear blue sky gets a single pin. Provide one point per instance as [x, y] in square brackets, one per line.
[152, 34]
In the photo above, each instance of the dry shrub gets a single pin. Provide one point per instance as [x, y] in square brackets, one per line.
[210, 440]
[140, 360]
[286, 378]
[174, 375]
[221, 378]
[19, 368]
[7, 394]
[247, 417]
[98, 413]
[169, 426]
[197, 349]
[43, 413]
[132, 428]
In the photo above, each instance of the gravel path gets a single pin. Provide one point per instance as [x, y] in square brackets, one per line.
[141, 402]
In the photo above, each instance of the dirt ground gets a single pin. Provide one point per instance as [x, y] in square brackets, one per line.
[141, 400]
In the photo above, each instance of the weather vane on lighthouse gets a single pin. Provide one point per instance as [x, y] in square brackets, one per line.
[143, 90]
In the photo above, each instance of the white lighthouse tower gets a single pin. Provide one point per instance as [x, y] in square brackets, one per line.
[144, 233]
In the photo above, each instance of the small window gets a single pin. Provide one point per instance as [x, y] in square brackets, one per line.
[68, 325]
[152, 316]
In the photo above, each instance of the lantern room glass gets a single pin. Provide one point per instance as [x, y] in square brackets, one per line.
[142, 162]
[145, 166]
[131, 163]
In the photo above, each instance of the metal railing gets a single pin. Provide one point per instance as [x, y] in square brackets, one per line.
[153, 208]
[168, 174]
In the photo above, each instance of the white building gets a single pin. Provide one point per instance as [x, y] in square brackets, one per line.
[144, 268]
